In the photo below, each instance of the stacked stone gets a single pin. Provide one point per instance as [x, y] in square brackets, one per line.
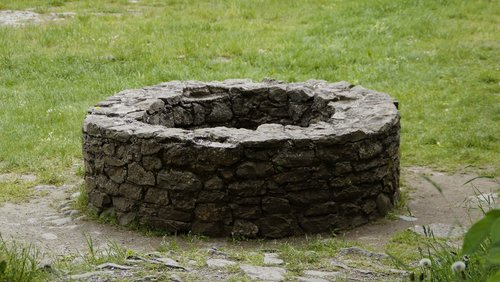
[245, 159]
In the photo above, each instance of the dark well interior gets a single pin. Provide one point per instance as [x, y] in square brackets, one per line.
[236, 108]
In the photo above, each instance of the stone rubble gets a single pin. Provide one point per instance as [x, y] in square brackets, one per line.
[272, 259]
[133, 264]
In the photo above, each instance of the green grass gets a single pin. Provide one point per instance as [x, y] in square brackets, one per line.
[19, 263]
[14, 192]
[440, 59]
[404, 245]
[407, 248]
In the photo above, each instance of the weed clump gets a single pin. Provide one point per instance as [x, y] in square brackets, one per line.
[19, 263]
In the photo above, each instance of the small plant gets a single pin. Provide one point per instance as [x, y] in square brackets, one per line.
[112, 253]
[442, 262]
[477, 260]
[168, 245]
[82, 200]
[91, 256]
[3, 267]
[484, 237]
[19, 263]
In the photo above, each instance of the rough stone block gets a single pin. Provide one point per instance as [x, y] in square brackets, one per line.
[273, 205]
[138, 175]
[179, 180]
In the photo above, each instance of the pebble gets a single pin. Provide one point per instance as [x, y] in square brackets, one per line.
[407, 218]
[110, 265]
[75, 196]
[262, 273]
[339, 264]
[64, 204]
[65, 209]
[67, 227]
[272, 259]
[51, 217]
[85, 276]
[45, 263]
[215, 263]
[175, 278]
[361, 252]
[214, 251]
[60, 221]
[311, 279]
[168, 262]
[82, 217]
[74, 213]
[49, 236]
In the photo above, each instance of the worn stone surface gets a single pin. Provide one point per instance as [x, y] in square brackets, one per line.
[262, 273]
[242, 158]
[272, 259]
[321, 274]
[216, 263]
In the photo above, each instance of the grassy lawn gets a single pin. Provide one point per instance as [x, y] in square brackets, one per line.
[441, 60]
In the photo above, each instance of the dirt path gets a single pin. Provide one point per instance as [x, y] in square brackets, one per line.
[456, 205]
[42, 221]
[48, 222]
[51, 228]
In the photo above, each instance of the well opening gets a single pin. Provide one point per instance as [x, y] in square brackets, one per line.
[245, 159]
[218, 106]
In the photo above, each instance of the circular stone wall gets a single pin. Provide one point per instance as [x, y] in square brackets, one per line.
[241, 158]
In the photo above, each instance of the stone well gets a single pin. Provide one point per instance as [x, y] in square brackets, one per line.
[242, 158]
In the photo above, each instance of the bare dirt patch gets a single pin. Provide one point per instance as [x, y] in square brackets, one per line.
[19, 18]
